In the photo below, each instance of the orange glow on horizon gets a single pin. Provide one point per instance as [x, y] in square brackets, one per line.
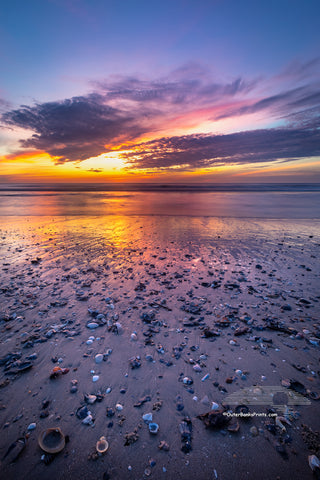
[281, 168]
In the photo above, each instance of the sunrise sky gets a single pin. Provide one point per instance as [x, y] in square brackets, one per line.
[159, 91]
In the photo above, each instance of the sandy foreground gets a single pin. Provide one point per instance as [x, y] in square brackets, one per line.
[187, 314]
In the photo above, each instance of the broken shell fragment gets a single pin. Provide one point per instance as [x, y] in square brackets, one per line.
[153, 428]
[102, 445]
[52, 440]
[314, 462]
[58, 371]
[90, 399]
[233, 426]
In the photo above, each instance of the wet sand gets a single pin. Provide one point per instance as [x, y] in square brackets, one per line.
[174, 298]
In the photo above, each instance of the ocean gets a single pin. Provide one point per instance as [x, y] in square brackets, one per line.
[265, 201]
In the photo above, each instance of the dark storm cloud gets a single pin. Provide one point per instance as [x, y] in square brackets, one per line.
[201, 151]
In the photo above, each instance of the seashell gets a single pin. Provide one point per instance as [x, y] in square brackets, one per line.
[242, 409]
[153, 428]
[119, 407]
[52, 440]
[279, 423]
[32, 426]
[233, 427]
[313, 395]
[56, 371]
[285, 382]
[14, 450]
[82, 412]
[187, 381]
[147, 417]
[90, 399]
[314, 462]
[254, 431]
[102, 445]
[88, 420]
[118, 328]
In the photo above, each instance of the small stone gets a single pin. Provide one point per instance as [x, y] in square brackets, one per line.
[197, 368]
[119, 407]
[205, 400]
[98, 358]
[92, 325]
[32, 426]
[95, 378]
[214, 406]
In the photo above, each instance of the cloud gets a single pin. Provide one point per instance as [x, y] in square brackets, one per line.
[95, 170]
[202, 151]
[73, 129]
[173, 91]
[123, 110]
[120, 110]
[4, 105]
[282, 104]
[297, 70]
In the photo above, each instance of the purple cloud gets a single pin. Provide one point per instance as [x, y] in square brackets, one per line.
[201, 151]
[123, 109]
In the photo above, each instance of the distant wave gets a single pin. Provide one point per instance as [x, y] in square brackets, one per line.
[136, 187]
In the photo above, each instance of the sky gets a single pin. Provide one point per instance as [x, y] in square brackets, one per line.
[207, 91]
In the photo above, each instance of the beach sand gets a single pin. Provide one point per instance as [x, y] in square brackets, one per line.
[170, 296]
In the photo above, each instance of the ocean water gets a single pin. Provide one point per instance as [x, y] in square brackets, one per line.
[265, 201]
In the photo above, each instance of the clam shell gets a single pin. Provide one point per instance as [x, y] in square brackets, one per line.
[102, 445]
[52, 440]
